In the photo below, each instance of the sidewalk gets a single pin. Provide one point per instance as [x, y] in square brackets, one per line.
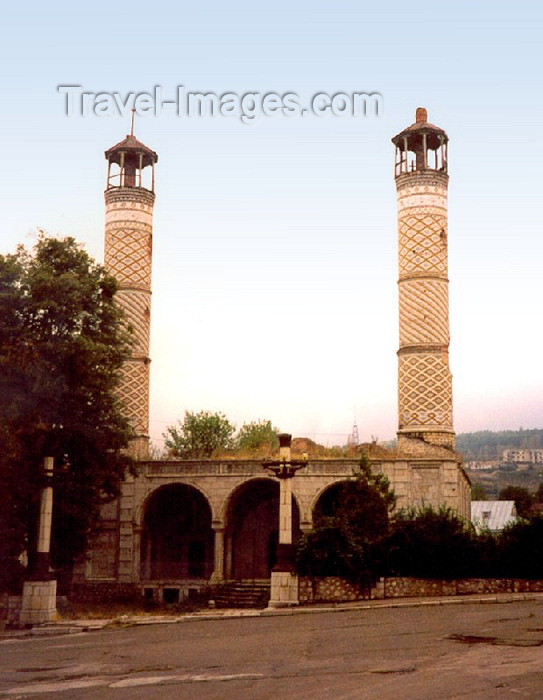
[64, 626]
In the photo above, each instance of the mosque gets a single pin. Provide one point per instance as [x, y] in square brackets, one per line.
[181, 525]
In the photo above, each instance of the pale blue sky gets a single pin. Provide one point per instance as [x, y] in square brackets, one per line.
[274, 290]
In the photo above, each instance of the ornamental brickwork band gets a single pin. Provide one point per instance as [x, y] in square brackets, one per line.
[128, 257]
[424, 378]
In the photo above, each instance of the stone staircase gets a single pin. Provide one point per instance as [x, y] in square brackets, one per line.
[242, 594]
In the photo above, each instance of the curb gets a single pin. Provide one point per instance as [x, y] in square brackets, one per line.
[81, 626]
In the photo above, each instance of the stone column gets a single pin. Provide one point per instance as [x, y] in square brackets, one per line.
[284, 581]
[136, 554]
[46, 518]
[285, 511]
[40, 593]
[228, 554]
[146, 572]
[127, 553]
[218, 569]
[306, 525]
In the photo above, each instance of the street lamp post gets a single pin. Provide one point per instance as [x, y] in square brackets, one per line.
[40, 591]
[284, 581]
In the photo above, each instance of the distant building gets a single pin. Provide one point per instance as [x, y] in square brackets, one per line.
[523, 456]
[477, 465]
[492, 515]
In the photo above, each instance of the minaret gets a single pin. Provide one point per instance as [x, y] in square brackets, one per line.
[424, 378]
[129, 199]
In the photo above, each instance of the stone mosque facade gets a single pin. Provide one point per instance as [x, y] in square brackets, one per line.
[185, 524]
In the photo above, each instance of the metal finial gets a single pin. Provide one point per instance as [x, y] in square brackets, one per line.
[132, 127]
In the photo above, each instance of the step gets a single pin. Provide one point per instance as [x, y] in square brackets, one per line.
[242, 595]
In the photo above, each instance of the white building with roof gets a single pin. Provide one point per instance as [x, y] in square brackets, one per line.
[492, 515]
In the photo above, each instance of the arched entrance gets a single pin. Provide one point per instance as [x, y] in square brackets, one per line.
[177, 539]
[252, 529]
[328, 501]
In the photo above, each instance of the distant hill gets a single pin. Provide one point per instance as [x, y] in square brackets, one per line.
[497, 479]
[488, 445]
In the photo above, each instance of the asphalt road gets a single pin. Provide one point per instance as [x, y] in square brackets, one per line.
[457, 651]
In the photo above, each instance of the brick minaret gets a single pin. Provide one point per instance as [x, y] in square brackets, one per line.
[129, 199]
[424, 378]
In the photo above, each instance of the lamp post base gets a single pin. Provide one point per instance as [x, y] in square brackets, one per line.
[39, 602]
[284, 589]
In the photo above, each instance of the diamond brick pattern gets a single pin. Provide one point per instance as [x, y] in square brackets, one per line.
[129, 253]
[128, 257]
[424, 378]
[422, 240]
[137, 309]
[424, 312]
[424, 391]
[134, 391]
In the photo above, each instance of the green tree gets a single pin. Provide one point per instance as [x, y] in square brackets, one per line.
[62, 344]
[350, 524]
[199, 435]
[430, 543]
[258, 436]
[478, 492]
[521, 549]
[522, 497]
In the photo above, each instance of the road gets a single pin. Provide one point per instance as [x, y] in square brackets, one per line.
[454, 651]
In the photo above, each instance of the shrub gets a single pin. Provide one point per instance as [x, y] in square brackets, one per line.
[426, 543]
[327, 551]
[520, 550]
[351, 520]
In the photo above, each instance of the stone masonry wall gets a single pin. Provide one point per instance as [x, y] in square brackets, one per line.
[10, 609]
[329, 589]
[115, 555]
[104, 592]
[403, 587]
[333, 589]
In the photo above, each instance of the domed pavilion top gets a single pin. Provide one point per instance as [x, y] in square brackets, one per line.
[130, 146]
[435, 137]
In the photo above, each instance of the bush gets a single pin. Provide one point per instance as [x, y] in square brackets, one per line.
[199, 435]
[326, 551]
[351, 521]
[520, 550]
[485, 562]
[426, 543]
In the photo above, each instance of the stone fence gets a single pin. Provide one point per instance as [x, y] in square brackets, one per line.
[332, 589]
[404, 587]
[329, 589]
[10, 609]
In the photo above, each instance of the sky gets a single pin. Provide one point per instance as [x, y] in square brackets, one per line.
[275, 241]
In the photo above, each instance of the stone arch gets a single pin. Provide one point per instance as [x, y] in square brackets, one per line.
[324, 497]
[177, 538]
[252, 524]
[141, 504]
[222, 511]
